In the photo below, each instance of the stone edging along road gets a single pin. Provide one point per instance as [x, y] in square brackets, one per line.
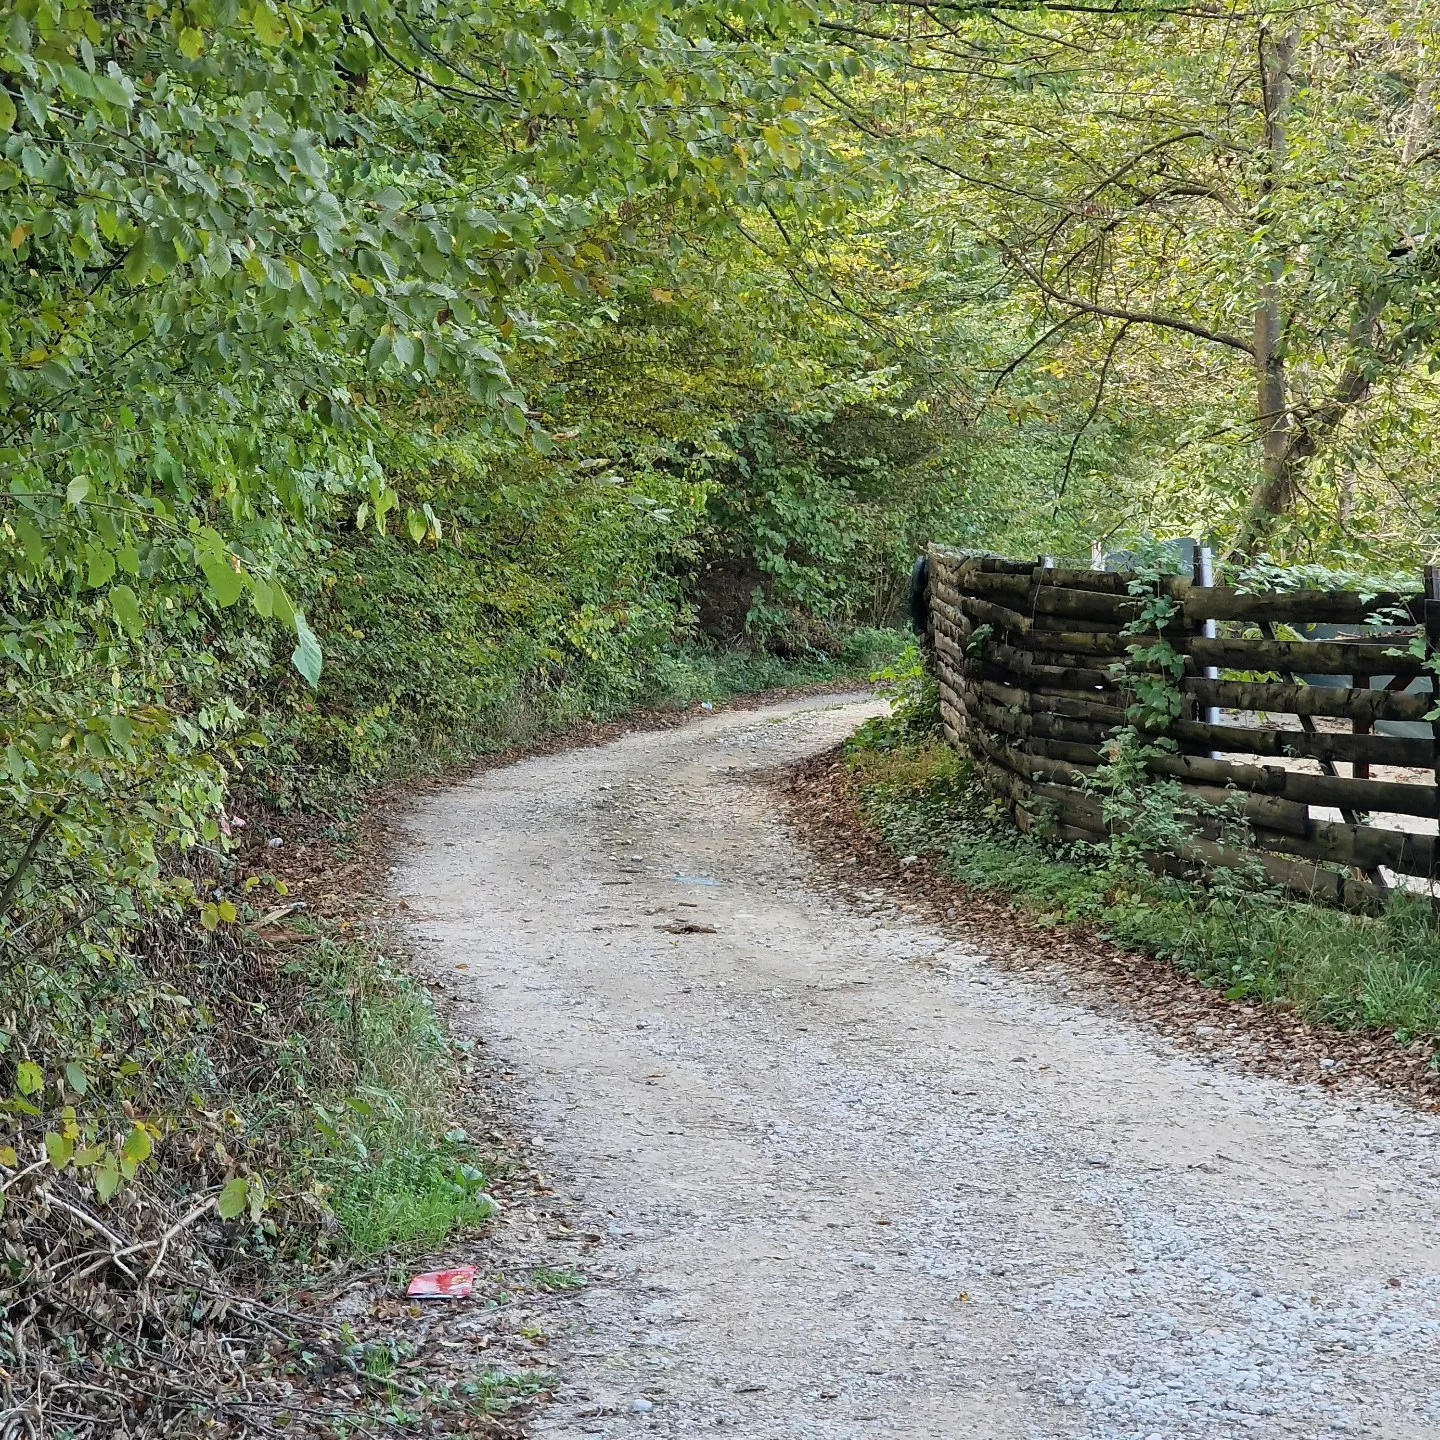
[851, 1179]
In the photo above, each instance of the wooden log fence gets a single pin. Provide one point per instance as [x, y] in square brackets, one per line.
[1036, 676]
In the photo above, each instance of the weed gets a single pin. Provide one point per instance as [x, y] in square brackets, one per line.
[547, 1277]
[496, 1391]
[412, 1198]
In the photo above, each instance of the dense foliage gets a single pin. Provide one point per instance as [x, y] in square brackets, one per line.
[380, 373]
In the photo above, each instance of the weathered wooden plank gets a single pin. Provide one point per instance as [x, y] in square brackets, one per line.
[1079, 643]
[951, 694]
[1075, 706]
[986, 613]
[1014, 590]
[1049, 622]
[1364, 846]
[1331, 791]
[1298, 607]
[1107, 582]
[1036, 594]
[1342, 702]
[1026, 664]
[988, 564]
[1048, 727]
[1071, 751]
[1305, 880]
[1400, 750]
[945, 645]
[1304, 657]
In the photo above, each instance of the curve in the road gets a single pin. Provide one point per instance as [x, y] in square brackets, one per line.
[857, 1182]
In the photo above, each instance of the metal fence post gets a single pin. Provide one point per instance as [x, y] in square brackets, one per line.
[1432, 637]
[1204, 572]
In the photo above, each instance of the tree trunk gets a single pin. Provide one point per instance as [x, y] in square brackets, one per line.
[1276, 490]
[1290, 438]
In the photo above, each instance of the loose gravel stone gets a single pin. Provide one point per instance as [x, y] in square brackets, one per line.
[853, 1181]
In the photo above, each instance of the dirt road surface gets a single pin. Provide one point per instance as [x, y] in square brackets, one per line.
[855, 1182]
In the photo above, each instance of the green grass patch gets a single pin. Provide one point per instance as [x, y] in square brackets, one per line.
[360, 1089]
[498, 1391]
[410, 1199]
[1351, 971]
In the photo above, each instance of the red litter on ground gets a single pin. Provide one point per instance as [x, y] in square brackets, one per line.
[441, 1284]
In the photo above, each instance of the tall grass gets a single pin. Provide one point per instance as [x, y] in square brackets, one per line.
[362, 1090]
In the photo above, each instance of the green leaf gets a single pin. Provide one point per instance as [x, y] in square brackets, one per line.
[8, 1158]
[210, 917]
[192, 43]
[231, 1204]
[226, 909]
[282, 607]
[102, 567]
[107, 1179]
[75, 1078]
[137, 1147]
[59, 1149]
[416, 524]
[262, 596]
[77, 490]
[7, 111]
[226, 583]
[29, 1078]
[270, 26]
[306, 656]
[31, 540]
[126, 606]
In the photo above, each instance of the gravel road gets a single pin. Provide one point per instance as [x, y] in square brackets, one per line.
[856, 1182]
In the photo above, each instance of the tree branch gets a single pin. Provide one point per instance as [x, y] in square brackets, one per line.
[1094, 411]
[27, 855]
[1008, 370]
[1131, 317]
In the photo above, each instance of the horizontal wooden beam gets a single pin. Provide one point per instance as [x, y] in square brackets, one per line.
[1027, 665]
[1304, 657]
[1396, 750]
[1341, 701]
[1333, 792]
[1364, 846]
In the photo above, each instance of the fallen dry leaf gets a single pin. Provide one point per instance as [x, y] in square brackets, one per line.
[1269, 1039]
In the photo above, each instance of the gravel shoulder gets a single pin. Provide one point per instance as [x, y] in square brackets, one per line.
[849, 1178]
